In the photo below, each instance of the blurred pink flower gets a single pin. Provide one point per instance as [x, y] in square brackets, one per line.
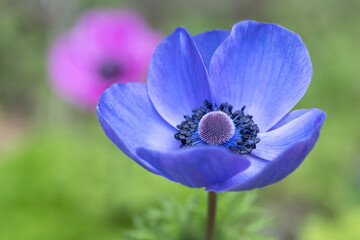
[104, 47]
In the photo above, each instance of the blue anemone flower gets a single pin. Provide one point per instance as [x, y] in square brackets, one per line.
[215, 112]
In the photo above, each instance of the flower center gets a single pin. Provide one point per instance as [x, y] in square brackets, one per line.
[110, 70]
[216, 128]
[213, 125]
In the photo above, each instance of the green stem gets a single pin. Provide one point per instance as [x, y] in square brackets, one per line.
[211, 216]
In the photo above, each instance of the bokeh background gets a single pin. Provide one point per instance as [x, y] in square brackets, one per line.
[61, 178]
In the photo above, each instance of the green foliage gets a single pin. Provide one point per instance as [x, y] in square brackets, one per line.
[238, 217]
[22, 57]
[343, 226]
[73, 184]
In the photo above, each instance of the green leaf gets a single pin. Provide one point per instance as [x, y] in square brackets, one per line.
[238, 217]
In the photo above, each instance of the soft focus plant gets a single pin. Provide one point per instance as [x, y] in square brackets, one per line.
[104, 47]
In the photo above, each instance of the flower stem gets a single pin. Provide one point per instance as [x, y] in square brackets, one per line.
[211, 216]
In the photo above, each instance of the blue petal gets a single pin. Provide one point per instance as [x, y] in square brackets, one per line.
[196, 167]
[294, 127]
[208, 42]
[129, 119]
[263, 66]
[177, 78]
[291, 116]
[285, 148]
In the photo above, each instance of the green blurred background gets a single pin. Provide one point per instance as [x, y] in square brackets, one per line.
[61, 178]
